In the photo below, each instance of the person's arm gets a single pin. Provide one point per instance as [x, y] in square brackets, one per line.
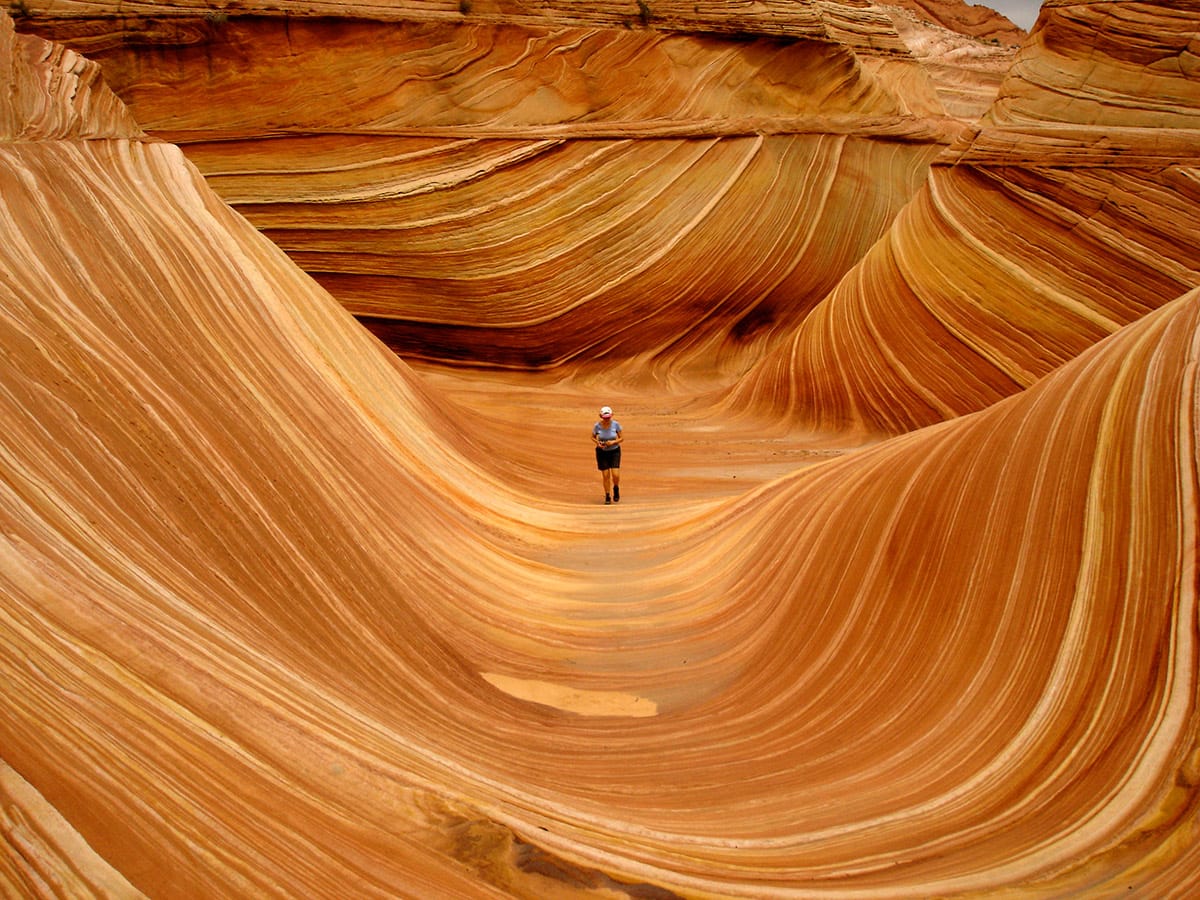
[596, 437]
[620, 437]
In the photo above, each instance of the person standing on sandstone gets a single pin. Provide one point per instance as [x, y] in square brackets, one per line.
[607, 436]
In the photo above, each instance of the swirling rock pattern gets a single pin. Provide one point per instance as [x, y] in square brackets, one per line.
[489, 190]
[281, 617]
[988, 280]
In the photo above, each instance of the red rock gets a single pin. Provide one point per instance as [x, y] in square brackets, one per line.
[280, 615]
[989, 280]
[973, 19]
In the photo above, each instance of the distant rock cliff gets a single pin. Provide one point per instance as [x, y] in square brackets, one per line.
[974, 19]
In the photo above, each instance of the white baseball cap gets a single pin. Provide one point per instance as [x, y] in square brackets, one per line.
[605, 412]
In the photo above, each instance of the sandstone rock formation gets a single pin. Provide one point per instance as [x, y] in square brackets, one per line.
[51, 93]
[975, 19]
[484, 187]
[280, 616]
[1069, 212]
[966, 74]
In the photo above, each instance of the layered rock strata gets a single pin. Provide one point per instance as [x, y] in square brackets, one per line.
[1069, 212]
[784, 18]
[279, 620]
[522, 186]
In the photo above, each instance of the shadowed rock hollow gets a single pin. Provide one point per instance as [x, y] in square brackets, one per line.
[284, 616]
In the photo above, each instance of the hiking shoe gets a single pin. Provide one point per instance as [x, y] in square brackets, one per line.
[607, 498]
[616, 494]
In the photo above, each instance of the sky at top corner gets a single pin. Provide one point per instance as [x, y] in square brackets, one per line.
[1020, 12]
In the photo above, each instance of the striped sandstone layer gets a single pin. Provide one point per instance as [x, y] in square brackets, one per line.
[276, 622]
[530, 186]
[1071, 210]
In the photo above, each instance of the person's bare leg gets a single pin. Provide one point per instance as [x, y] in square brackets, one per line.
[608, 482]
[616, 484]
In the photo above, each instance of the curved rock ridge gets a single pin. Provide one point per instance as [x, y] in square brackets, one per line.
[601, 250]
[1071, 211]
[283, 618]
[147, 324]
[489, 193]
[404, 78]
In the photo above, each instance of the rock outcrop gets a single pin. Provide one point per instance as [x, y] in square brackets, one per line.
[966, 73]
[974, 19]
[52, 93]
[1069, 212]
[522, 185]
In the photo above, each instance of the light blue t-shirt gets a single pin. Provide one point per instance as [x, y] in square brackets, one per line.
[607, 432]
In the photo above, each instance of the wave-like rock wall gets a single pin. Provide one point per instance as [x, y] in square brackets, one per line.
[277, 620]
[1072, 210]
[519, 190]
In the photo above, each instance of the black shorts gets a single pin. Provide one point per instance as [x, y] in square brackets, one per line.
[608, 459]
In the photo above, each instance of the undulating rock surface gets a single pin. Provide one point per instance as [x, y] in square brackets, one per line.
[1071, 210]
[485, 185]
[281, 615]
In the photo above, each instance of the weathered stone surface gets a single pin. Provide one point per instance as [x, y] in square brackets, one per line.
[966, 73]
[52, 93]
[281, 615]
